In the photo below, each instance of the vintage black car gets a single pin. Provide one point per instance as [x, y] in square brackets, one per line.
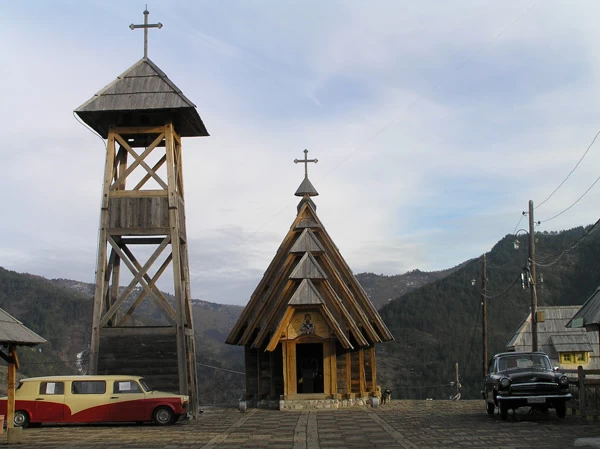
[524, 379]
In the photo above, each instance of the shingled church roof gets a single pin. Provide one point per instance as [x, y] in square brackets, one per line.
[142, 96]
[309, 271]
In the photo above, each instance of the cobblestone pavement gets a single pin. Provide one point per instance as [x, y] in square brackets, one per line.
[402, 424]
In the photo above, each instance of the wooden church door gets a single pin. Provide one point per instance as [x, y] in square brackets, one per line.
[309, 368]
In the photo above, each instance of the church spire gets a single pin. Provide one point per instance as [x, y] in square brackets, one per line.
[306, 188]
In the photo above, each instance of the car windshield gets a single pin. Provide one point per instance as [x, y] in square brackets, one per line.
[520, 361]
[145, 385]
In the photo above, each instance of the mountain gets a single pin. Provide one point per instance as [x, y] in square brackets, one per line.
[60, 310]
[435, 318]
[382, 289]
[439, 324]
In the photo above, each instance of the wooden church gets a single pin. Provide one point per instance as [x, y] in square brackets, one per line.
[309, 329]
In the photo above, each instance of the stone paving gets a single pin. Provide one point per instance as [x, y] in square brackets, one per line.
[402, 424]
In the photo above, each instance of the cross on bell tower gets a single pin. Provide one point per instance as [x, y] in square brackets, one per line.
[145, 26]
[137, 329]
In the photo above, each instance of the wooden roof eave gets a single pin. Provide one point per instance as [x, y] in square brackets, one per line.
[267, 301]
[339, 333]
[246, 315]
[283, 251]
[368, 311]
[329, 318]
[358, 336]
[287, 317]
[270, 320]
[362, 317]
[331, 248]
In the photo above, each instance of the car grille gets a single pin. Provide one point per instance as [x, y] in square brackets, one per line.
[534, 388]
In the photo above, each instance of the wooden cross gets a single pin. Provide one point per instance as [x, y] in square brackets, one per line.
[145, 26]
[305, 161]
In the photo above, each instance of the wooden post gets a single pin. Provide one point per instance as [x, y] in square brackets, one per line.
[12, 377]
[361, 372]
[373, 370]
[99, 293]
[533, 280]
[286, 377]
[348, 375]
[581, 387]
[457, 381]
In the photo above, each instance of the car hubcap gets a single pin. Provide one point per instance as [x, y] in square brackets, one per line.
[163, 416]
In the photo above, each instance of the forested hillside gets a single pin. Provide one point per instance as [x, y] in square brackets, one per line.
[382, 289]
[60, 310]
[439, 324]
[435, 325]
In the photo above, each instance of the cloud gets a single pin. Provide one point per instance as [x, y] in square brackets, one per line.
[433, 124]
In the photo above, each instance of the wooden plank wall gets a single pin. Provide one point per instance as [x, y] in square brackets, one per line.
[277, 387]
[342, 384]
[132, 213]
[369, 369]
[355, 369]
[264, 375]
[251, 362]
[153, 356]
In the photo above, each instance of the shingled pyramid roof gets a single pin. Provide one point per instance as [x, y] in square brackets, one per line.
[309, 271]
[12, 331]
[142, 96]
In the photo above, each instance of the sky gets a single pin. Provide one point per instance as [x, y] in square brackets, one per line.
[434, 123]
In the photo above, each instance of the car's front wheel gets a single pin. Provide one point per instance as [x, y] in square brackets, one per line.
[490, 407]
[163, 416]
[561, 409]
[503, 410]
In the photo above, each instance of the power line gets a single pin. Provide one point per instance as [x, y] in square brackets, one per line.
[505, 290]
[570, 248]
[574, 203]
[571, 172]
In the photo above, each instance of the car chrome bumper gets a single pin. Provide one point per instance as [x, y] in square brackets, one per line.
[566, 397]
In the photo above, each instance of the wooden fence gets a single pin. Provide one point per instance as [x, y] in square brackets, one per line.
[585, 391]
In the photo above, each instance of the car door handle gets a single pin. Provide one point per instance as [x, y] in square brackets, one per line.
[114, 397]
[39, 399]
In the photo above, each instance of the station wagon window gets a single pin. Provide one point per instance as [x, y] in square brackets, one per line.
[88, 387]
[126, 386]
[52, 388]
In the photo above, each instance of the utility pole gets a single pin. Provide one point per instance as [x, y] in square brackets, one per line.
[457, 382]
[532, 279]
[484, 315]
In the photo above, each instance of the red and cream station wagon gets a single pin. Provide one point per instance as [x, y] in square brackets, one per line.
[93, 399]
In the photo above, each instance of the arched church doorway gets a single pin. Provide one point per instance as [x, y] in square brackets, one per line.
[309, 368]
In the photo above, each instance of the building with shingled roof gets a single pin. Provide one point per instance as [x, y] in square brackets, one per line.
[566, 346]
[309, 330]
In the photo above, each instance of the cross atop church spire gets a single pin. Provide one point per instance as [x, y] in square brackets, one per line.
[145, 26]
[306, 188]
[305, 161]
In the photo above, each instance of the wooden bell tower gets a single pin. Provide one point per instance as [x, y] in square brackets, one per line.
[136, 329]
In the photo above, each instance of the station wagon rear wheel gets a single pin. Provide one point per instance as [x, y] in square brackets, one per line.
[163, 416]
[21, 419]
